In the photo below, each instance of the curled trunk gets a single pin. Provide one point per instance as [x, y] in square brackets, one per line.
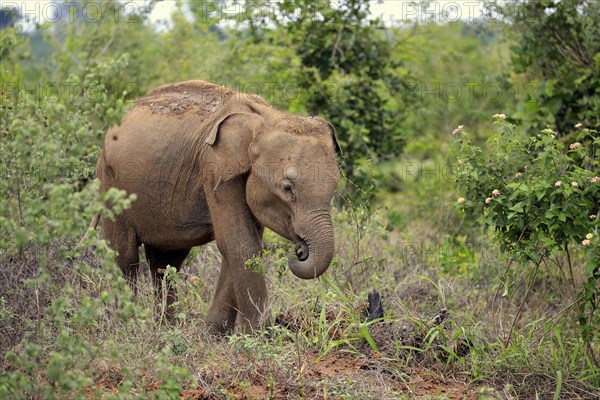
[316, 250]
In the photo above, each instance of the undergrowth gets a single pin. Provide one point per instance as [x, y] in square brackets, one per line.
[72, 328]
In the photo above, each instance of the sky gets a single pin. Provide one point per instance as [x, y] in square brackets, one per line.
[390, 11]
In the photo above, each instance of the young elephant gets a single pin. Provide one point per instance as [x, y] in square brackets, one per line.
[208, 163]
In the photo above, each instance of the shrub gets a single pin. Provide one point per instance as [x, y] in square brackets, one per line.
[540, 197]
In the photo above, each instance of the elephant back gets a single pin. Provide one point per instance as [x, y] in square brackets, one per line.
[191, 97]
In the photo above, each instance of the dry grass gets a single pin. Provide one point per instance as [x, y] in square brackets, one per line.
[319, 344]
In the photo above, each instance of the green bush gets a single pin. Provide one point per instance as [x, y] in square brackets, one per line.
[540, 197]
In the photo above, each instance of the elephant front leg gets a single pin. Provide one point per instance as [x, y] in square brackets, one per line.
[223, 310]
[251, 294]
[241, 293]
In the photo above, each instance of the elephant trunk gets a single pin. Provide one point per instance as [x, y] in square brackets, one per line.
[315, 251]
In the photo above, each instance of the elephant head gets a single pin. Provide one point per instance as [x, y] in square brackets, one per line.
[292, 173]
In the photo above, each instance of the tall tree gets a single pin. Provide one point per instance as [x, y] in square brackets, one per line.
[341, 66]
[557, 42]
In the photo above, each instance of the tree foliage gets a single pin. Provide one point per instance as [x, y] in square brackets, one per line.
[343, 69]
[556, 42]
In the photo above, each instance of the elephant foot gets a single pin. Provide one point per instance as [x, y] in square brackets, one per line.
[218, 329]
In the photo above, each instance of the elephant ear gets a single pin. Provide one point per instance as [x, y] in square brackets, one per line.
[336, 145]
[230, 138]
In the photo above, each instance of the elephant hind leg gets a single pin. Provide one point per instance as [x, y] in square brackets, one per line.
[123, 240]
[158, 260]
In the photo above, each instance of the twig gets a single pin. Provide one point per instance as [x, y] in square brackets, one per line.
[56, 44]
[107, 45]
[39, 311]
[88, 58]
[509, 263]
[336, 48]
[20, 204]
[499, 312]
[560, 267]
[517, 315]
[570, 267]
[555, 322]
[93, 224]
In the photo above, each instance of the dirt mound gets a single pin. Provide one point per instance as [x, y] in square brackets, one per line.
[199, 97]
[417, 383]
[302, 126]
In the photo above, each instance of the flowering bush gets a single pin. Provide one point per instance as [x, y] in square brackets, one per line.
[539, 195]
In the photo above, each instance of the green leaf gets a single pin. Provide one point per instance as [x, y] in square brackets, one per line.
[517, 208]
[364, 332]
[539, 194]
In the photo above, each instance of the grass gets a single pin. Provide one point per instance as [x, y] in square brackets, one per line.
[71, 329]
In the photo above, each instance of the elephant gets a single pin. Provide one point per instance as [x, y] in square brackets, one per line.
[211, 164]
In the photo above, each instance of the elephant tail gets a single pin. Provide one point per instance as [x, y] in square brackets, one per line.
[93, 225]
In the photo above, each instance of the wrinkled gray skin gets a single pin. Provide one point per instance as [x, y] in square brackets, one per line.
[209, 164]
